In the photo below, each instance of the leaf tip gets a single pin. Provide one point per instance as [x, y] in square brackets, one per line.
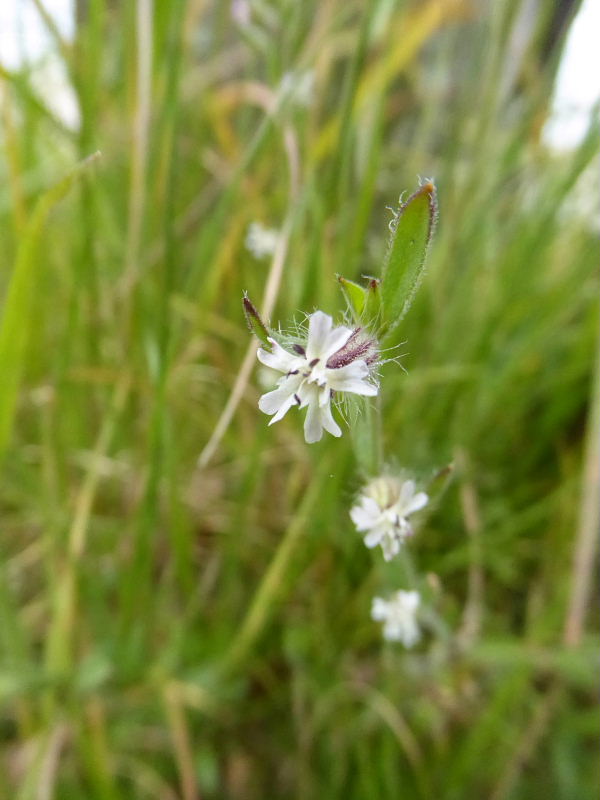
[254, 320]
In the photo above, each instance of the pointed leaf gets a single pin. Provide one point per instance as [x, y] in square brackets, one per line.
[354, 294]
[373, 305]
[404, 264]
[255, 323]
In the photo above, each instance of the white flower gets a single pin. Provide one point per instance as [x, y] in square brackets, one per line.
[261, 241]
[399, 617]
[297, 87]
[383, 508]
[333, 360]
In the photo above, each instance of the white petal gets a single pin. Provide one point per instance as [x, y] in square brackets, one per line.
[271, 402]
[308, 393]
[335, 341]
[366, 515]
[324, 396]
[361, 519]
[313, 430]
[356, 369]
[379, 609]
[406, 493]
[392, 631]
[284, 408]
[354, 385]
[278, 358]
[373, 537]
[328, 422]
[418, 502]
[390, 546]
[319, 326]
[410, 600]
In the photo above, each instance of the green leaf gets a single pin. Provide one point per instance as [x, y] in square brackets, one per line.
[17, 322]
[404, 264]
[373, 307]
[354, 294]
[255, 323]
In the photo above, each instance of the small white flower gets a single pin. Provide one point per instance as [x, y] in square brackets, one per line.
[333, 360]
[297, 87]
[383, 508]
[399, 617]
[261, 241]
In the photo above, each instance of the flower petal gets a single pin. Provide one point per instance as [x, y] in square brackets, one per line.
[373, 537]
[328, 421]
[324, 397]
[391, 547]
[335, 341]
[356, 369]
[271, 402]
[379, 609]
[366, 515]
[278, 358]
[355, 386]
[323, 340]
[418, 502]
[361, 519]
[308, 393]
[313, 429]
[406, 494]
[350, 379]
[410, 600]
[284, 408]
[319, 326]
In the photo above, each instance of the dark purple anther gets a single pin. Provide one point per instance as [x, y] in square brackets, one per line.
[354, 349]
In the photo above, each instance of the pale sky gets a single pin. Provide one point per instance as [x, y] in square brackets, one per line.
[20, 16]
[578, 83]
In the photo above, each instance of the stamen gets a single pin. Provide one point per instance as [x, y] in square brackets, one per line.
[314, 362]
[292, 372]
[352, 351]
[297, 348]
[297, 399]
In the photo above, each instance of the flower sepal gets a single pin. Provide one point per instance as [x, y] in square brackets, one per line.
[255, 323]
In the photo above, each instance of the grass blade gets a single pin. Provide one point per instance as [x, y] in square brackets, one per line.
[16, 323]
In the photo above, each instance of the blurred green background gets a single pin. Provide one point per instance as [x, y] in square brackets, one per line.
[175, 630]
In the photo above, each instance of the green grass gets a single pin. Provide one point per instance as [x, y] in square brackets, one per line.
[173, 630]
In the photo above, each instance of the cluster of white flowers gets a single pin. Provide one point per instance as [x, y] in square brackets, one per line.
[381, 513]
[383, 508]
[332, 360]
[398, 615]
[261, 241]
